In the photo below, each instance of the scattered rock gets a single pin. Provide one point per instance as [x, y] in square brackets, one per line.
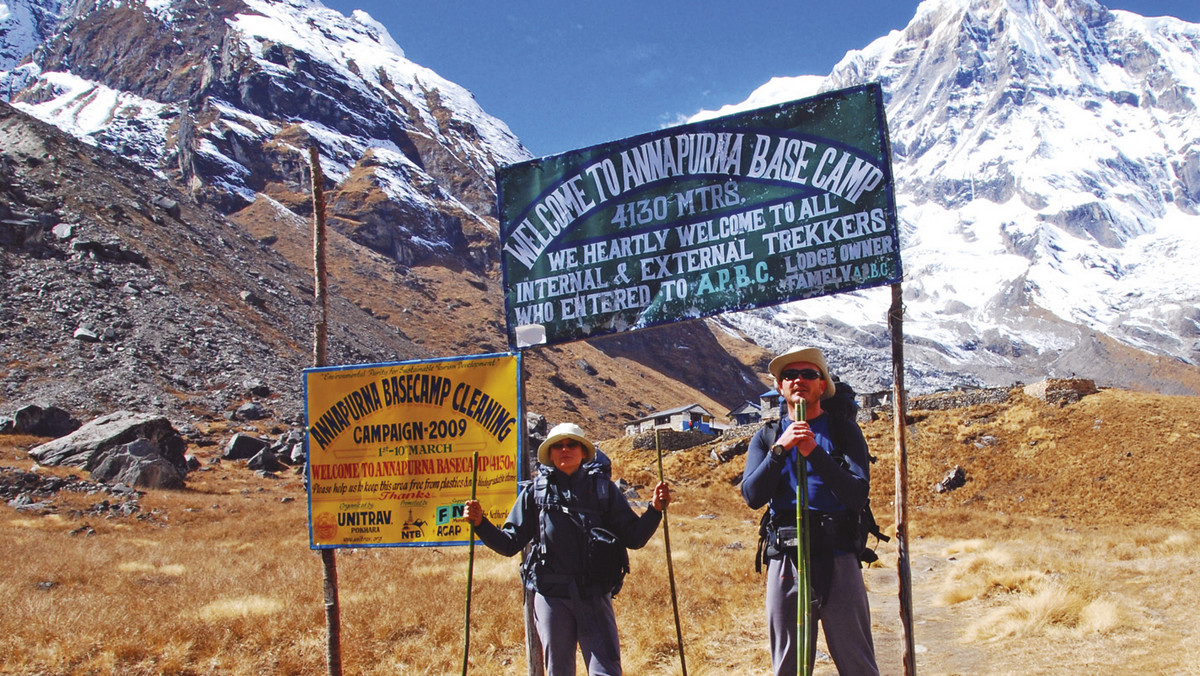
[243, 447]
[35, 492]
[256, 387]
[63, 231]
[955, 479]
[985, 441]
[24, 503]
[729, 450]
[297, 456]
[168, 205]
[266, 461]
[252, 411]
[250, 298]
[87, 334]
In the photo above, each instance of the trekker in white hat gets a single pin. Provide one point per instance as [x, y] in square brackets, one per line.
[837, 463]
[569, 510]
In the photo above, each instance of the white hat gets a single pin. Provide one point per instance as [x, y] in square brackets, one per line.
[811, 355]
[565, 431]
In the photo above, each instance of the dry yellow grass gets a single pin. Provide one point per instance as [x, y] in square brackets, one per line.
[1094, 571]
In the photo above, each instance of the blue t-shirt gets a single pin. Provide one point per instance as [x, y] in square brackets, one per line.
[820, 497]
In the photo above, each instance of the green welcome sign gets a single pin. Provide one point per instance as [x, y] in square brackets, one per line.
[764, 207]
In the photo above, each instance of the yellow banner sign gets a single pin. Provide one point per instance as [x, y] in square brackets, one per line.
[390, 449]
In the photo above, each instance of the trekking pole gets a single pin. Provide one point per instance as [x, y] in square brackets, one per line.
[804, 665]
[470, 562]
[670, 567]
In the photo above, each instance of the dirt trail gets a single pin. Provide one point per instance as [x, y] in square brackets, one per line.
[1070, 548]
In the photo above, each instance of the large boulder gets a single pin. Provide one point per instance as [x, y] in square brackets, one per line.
[243, 447]
[39, 421]
[266, 461]
[87, 446]
[140, 465]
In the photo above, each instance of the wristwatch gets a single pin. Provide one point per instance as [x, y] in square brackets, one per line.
[778, 450]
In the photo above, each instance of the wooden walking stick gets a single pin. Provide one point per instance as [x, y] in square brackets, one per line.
[670, 567]
[806, 632]
[470, 563]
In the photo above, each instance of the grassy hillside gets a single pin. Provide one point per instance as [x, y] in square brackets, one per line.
[1070, 549]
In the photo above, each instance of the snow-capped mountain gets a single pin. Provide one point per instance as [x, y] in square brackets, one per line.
[1047, 155]
[24, 24]
[226, 97]
[1047, 164]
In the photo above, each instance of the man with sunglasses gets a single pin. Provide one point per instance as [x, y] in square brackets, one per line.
[837, 462]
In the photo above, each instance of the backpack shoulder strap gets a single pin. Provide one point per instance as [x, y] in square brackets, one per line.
[540, 489]
[771, 427]
[541, 498]
[602, 485]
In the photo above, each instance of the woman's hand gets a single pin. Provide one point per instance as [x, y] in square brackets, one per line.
[662, 496]
[473, 512]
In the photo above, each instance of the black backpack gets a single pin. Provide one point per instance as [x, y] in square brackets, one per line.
[607, 561]
[840, 405]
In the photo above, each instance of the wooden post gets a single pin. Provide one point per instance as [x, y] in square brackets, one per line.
[533, 644]
[320, 327]
[670, 567]
[899, 406]
[333, 617]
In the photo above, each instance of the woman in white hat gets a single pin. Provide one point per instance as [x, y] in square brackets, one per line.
[557, 511]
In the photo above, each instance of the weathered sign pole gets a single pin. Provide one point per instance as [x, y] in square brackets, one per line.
[903, 571]
[533, 644]
[333, 621]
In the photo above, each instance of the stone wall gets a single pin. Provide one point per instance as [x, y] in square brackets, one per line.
[671, 440]
[959, 399]
[1061, 391]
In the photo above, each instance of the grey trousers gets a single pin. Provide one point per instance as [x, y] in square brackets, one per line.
[587, 622]
[845, 618]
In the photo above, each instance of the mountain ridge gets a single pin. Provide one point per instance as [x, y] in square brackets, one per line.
[411, 199]
[1044, 157]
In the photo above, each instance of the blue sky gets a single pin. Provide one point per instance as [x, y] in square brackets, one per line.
[566, 75]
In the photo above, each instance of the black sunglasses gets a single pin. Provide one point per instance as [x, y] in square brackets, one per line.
[807, 374]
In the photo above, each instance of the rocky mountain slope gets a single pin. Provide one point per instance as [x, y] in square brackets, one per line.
[221, 101]
[1046, 158]
[218, 103]
[123, 293]
[225, 98]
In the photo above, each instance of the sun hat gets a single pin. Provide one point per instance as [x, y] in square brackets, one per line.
[565, 431]
[811, 355]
